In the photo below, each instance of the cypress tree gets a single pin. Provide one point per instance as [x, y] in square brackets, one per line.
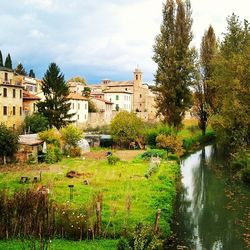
[55, 107]
[20, 70]
[32, 74]
[175, 60]
[1, 59]
[8, 62]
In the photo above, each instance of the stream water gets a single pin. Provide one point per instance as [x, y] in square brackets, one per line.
[212, 212]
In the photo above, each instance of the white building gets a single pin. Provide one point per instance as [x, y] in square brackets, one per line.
[78, 107]
[121, 99]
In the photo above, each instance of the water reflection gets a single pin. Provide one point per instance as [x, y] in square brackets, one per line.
[203, 218]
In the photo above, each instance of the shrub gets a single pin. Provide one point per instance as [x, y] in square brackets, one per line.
[112, 160]
[51, 136]
[170, 143]
[123, 244]
[71, 135]
[152, 133]
[246, 175]
[36, 123]
[75, 152]
[153, 153]
[31, 160]
[153, 168]
[53, 154]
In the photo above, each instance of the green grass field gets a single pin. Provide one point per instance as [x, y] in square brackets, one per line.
[118, 184]
[63, 245]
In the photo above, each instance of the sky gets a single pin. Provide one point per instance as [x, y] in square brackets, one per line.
[98, 39]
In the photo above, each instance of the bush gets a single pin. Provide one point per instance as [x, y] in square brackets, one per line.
[153, 168]
[152, 133]
[75, 152]
[123, 244]
[112, 160]
[36, 123]
[51, 136]
[153, 153]
[71, 135]
[171, 143]
[31, 160]
[246, 175]
[53, 154]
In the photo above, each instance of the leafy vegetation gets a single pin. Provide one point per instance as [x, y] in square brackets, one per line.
[35, 123]
[8, 142]
[125, 128]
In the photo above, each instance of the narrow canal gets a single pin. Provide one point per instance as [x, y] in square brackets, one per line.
[211, 211]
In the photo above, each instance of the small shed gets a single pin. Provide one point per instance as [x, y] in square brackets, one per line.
[29, 146]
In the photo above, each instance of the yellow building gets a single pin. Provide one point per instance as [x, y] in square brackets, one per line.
[11, 98]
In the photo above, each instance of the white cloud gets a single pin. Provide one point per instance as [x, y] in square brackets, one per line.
[109, 36]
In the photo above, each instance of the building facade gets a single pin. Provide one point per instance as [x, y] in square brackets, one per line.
[78, 107]
[11, 98]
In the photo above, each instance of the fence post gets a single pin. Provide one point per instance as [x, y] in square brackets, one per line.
[99, 218]
[157, 218]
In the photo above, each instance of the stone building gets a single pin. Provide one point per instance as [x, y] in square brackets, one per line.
[29, 103]
[142, 98]
[11, 98]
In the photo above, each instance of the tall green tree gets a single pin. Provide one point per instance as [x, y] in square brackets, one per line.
[175, 60]
[32, 74]
[20, 70]
[204, 91]
[8, 142]
[231, 79]
[55, 106]
[8, 62]
[1, 59]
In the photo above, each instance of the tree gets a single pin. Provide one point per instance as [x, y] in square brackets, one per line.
[36, 123]
[231, 79]
[91, 106]
[86, 92]
[8, 142]
[1, 59]
[71, 135]
[8, 62]
[175, 60]
[20, 70]
[204, 91]
[78, 79]
[55, 106]
[32, 74]
[125, 128]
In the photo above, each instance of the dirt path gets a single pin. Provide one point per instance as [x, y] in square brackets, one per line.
[128, 155]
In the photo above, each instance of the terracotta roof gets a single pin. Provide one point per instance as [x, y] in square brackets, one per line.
[119, 83]
[75, 96]
[103, 100]
[29, 96]
[117, 91]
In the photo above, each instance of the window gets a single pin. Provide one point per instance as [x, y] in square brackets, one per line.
[85, 116]
[140, 96]
[14, 93]
[21, 94]
[78, 106]
[126, 89]
[73, 105]
[5, 92]
[5, 77]
[34, 107]
[117, 97]
[14, 126]
[86, 106]
[4, 110]
[136, 77]
[78, 117]
[14, 110]
[20, 110]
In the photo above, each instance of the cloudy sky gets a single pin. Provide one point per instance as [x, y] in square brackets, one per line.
[97, 38]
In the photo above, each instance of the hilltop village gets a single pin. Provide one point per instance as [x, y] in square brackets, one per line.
[19, 95]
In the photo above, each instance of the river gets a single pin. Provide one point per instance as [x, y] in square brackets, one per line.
[212, 212]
